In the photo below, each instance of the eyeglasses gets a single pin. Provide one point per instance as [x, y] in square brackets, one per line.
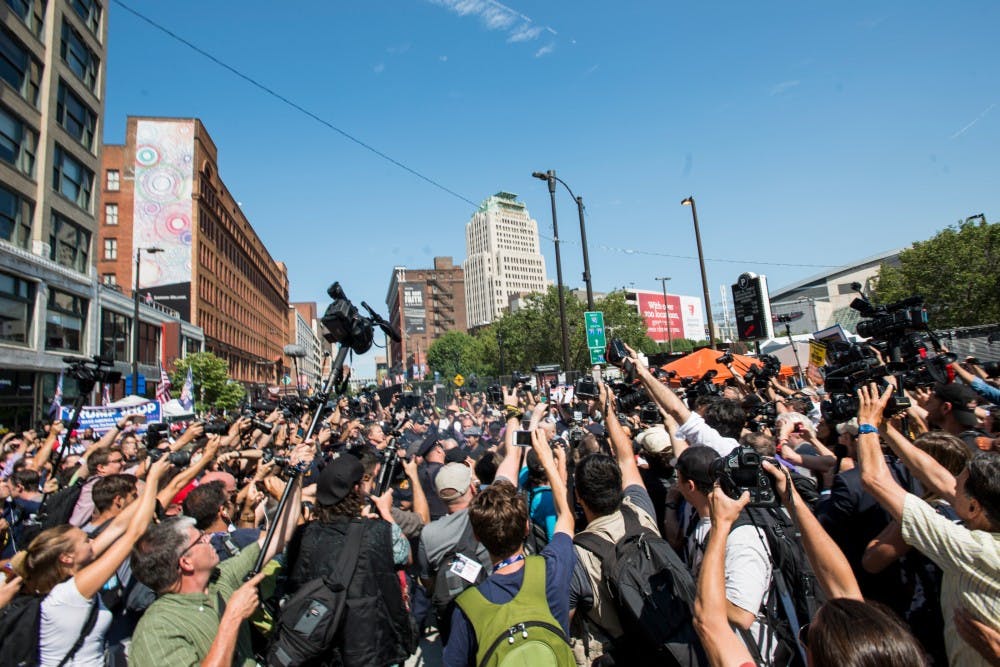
[804, 635]
[202, 535]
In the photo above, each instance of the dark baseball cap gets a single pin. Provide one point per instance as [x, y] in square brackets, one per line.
[960, 397]
[338, 478]
[430, 439]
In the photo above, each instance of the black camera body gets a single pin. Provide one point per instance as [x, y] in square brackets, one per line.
[740, 471]
[216, 428]
[264, 427]
[585, 387]
[344, 325]
[649, 413]
[494, 394]
[181, 458]
[155, 434]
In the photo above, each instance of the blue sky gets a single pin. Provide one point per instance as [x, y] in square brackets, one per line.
[809, 135]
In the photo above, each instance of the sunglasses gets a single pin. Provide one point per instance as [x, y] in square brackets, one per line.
[202, 535]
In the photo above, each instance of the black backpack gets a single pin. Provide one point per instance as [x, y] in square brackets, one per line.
[56, 510]
[448, 585]
[20, 624]
[310, 621]
[795, 595]
[652, 591]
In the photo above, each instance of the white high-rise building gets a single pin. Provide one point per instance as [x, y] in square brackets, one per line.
[503, 258]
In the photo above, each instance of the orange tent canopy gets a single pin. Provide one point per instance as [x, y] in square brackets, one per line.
[699, 362]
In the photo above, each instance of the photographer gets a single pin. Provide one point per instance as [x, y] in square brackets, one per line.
[719, 428]
[968, 555]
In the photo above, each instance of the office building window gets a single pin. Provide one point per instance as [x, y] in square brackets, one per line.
[15, 217]
[17, 303]
[18, 142]
[69, 244]
[114, 180]
[32, 12]
[116, 331]
[90, 12]
[18, 67]
[78, 57]
[149, 343]
[111, 214]
[64, 321]
[75, 117]
[110, 248]
[71, 179]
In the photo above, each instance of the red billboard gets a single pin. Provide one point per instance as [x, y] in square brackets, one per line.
[653, 314]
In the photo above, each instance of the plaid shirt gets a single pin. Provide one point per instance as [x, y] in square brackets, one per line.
[178, 629]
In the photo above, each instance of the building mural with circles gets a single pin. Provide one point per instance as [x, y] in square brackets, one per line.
[164, 173]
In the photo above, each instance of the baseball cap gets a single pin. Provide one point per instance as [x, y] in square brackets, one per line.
[452, 480]
[654, 440]
[338, 478]
[456, 455]
[959, 396]
[430, 439]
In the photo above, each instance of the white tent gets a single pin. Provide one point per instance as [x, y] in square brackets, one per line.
[129, 401]
[173, 409]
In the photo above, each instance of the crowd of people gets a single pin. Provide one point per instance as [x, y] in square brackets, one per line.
[733, 525]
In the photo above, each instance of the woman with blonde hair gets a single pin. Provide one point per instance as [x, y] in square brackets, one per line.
[68, 569]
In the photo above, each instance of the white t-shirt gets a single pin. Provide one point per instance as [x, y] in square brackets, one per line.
[64, 613]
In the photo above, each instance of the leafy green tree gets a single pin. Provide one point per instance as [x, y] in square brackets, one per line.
[957, 272]
[452, 353]
[212, 386]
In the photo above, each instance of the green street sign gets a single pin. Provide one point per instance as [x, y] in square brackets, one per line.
[597, 356]
[594, 321]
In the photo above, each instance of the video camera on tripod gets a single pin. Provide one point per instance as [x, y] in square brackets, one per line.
[88, 372]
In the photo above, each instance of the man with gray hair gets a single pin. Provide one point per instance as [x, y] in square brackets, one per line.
[198, 617]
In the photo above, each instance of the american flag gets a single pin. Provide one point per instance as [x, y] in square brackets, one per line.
[163, 389]
[56, 406]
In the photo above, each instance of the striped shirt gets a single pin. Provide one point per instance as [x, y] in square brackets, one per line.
[970, 561]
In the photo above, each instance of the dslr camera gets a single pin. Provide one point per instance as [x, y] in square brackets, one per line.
[585, 387]
[181, 458]
[740, 471]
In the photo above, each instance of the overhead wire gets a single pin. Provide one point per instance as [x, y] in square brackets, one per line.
[385, 156]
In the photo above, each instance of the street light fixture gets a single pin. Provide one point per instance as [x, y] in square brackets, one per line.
[551, 178]
[583, 234]
[135, 317]
[666, 310]
[689, 201]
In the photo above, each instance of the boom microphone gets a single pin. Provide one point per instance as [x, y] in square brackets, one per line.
[389, 330]
[295, 351]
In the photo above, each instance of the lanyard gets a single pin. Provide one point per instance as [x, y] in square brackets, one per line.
[508, 561]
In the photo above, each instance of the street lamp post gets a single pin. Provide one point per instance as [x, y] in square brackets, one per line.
[689, 201]
[583, 232]
[666, 310]
[135, 317]
[551, 178]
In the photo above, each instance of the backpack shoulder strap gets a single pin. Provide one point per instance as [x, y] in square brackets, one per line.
[475, 606]
[597, 545]
[341, 575]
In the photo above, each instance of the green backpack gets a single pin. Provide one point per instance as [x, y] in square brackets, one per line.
[519, 633]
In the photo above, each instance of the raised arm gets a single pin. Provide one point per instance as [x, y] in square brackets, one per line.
[833, 572]
[934, 476]
[508, 468]
[92, 577]
[564, 515]
[45, 449]
[620, 442]
[723, 647]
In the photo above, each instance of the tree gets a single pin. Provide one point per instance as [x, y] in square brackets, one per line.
[451, 354]
[957, 272]
[212, 385]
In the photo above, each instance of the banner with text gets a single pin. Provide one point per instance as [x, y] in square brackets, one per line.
[102, 418]
[686, 317]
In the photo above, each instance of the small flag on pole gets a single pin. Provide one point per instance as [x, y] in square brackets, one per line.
[187, 391]
[56, 406]
[106, 395]
[163, 389]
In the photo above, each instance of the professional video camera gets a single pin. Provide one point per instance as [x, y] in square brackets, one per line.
[89, 372]
[703, 386]
[760, 376]
[344, 325]
[851, 366]
[740, 471]
[517, 377]
[760, 414]
[649, 413]
[494, 394]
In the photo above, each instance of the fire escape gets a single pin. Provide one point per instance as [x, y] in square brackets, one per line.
[442, 305]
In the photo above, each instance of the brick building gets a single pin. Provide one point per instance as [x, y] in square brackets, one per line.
[162, 190]
[424, 304]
